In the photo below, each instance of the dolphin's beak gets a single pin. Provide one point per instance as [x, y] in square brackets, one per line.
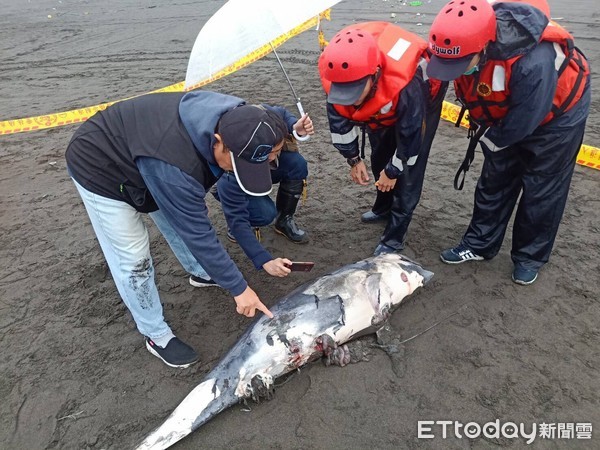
[427, 276]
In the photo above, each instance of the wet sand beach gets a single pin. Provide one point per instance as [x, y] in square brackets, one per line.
[74, 372]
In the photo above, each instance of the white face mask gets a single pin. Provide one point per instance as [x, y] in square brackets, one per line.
[472, 70]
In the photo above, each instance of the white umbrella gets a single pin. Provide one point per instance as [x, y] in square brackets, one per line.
[242, 31]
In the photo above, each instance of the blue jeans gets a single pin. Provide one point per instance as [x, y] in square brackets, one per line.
[262, 210]
[124, 240]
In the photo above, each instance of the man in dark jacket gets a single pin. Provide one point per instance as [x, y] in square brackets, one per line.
[527, 89]
[246, 213]
[160, 154]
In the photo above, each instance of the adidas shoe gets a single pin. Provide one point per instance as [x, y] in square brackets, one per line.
[202, 282]
[176, 354]
[459, 254]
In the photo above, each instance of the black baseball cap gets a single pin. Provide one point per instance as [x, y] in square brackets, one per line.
[347, 93]
[249, 132]
[448, 69]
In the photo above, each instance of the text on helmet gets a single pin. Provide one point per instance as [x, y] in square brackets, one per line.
[445, 51]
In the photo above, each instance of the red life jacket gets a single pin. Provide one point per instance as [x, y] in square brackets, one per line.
[486, 95]
[403, 52]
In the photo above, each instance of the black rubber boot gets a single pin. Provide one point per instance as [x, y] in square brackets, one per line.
[288, 196]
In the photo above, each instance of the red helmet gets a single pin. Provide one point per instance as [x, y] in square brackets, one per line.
[462, 28]
[352, 54]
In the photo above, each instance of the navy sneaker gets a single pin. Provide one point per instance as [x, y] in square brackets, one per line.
[459, 254]
[524, 276]
[176, 354]
[202, 282]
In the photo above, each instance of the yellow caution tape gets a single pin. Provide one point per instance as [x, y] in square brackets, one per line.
[81, 115]
[322, 41]
[450, 113]
[588, 156]
[66, 117]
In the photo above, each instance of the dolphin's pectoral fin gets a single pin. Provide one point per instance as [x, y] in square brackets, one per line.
[261, 388]
[373, 286]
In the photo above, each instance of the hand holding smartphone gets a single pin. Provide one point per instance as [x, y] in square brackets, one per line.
[300, 266]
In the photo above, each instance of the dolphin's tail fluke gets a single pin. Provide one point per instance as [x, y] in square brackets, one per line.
[200, 405]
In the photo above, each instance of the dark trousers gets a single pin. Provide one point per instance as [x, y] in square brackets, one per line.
[292, 166]
[539, 169]
[404, 198]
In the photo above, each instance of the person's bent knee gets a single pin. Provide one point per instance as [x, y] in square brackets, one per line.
[266, 218]
[294, 166]
[262, 211]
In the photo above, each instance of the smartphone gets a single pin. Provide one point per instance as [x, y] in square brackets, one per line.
[300, 266]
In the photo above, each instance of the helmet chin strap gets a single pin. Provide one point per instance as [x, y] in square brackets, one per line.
[483, 59]
[371, 94]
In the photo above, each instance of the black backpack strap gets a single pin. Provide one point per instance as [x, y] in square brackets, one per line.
[459, 178]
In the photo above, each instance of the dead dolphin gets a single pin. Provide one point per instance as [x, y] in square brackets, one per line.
[313, 321]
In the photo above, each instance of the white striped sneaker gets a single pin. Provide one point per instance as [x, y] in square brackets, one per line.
[459, 254]
[202, 282]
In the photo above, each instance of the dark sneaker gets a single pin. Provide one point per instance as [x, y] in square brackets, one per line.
[524, 276]
[370, 217]
[230, 237]
[176, 354]
[202, 282]
[459, 254]
[256, 230]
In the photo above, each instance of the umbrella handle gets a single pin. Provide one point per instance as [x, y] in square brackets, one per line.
[306, 137]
